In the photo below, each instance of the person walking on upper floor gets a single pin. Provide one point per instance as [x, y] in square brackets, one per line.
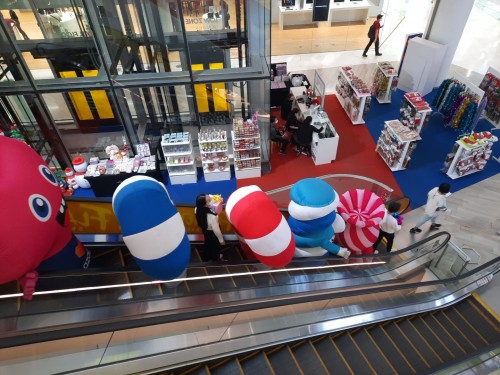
[374, 34]
[436, 202]
[388, 227]
[208, 221]
[17, 24]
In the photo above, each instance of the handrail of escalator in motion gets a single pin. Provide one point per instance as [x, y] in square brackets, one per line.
[145, 313]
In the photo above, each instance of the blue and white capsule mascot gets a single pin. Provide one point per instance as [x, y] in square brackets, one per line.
[152, 227]
[313, 218]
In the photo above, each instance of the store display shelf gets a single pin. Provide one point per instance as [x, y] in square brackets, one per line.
[180, 153]
[382, 100]
[248, 148]
[212, 140]
[359, 94]
[343, 101]
[216, 170]
[182, 143]
[244, 138]
[252, 158]
[393, 169]
[215, 161]
[454, 175]
[213, 152]
[180, 164]
[181, 173]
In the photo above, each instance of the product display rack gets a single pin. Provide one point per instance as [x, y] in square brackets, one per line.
[491, 86]
[470, 154]
[214, 154]
[415, 112]
[353, 94]
[246, 147]
[384, 82]
[396, 144]
[178, 153]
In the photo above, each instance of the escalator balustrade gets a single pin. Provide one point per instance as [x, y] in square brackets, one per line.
[417, 344]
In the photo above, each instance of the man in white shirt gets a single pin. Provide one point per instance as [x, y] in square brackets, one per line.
[388, 227]
[436, 202]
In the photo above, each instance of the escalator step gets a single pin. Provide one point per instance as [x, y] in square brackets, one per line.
[256, 364]
[283, 362]
[223, 283]
[420, 343]
[480, 318]
[246, 281]
[443, 335]
[198, 286]
[373, 352]
[331, 357]
[434, 340]
[230, 367]
[282, 278]
[418, 362]
[395, 356]
[454, 331]
[354, 358]
[195, 254]
[202, 370]
[308, 359]
[468, 328]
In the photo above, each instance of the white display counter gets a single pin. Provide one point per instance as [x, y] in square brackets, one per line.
[294, 16]
[351, 11]
[324, 145]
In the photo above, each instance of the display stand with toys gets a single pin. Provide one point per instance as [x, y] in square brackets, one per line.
[214, 154]
[396, 144]
[470, 154]
[246, 147]
[414, 112]
[384, 82]
[353, 94]
[178, 153]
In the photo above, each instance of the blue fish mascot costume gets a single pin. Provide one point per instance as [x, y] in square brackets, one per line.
[313, 219]
[152, 227]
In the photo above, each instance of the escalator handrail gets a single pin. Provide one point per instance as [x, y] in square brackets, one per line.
[16, 338]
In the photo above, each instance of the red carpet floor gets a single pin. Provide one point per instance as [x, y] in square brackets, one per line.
[356, 155]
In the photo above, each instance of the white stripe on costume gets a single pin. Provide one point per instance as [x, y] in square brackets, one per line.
[157, 241]
[273, 243]
[238, 195]
[310, 213]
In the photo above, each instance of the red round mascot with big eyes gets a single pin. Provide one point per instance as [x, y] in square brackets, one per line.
[35, 229]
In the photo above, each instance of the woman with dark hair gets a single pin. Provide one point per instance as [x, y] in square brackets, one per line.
[208, 221]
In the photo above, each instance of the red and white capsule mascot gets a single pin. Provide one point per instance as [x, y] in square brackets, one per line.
[261, 226]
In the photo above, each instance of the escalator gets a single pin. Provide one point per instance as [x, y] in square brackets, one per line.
[311, 297]
[412, 326]
[108, 296]
[416, 344]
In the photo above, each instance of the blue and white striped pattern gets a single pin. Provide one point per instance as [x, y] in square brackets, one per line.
[152, 227]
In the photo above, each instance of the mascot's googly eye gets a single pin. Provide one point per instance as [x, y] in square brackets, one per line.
[40, 207]
[46, 172]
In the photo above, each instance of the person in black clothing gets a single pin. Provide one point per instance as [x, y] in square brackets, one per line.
[304, 134]
[374, 34]
[208, 221]
[17, 24]
[291, 126]
[286, 106]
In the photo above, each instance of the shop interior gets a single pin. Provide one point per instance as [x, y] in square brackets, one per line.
[168, 90]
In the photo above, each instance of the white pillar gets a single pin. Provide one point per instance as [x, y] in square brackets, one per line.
[447, 27]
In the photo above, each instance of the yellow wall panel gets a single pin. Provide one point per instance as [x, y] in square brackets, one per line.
[100, 98]
[78, 99]
[200, 92]
[219, 91]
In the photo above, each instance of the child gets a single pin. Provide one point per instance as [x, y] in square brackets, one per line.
[388, 227]
[436, 201]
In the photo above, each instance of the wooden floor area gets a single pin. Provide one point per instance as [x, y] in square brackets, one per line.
[293, 40]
